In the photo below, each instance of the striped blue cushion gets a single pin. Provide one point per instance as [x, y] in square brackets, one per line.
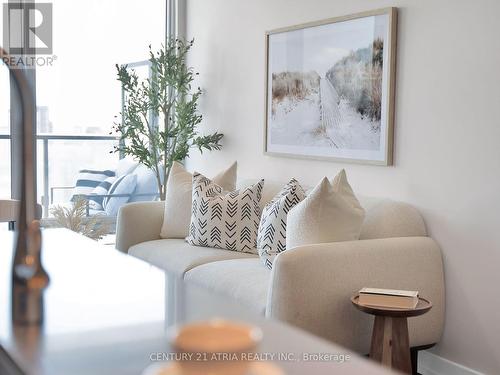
[123, 185]
[87, 180]
[95, 203]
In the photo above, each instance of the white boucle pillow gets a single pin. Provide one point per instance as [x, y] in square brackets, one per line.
[330, 213]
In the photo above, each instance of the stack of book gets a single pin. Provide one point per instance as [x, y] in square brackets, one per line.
[398, 299]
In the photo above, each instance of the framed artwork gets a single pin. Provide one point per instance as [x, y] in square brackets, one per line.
[330, 88]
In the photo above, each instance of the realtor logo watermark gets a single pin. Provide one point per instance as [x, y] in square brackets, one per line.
[27, 33]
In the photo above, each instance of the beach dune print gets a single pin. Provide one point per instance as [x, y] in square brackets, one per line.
[326, 89]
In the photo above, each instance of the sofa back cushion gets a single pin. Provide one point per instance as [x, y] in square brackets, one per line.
[384, 218]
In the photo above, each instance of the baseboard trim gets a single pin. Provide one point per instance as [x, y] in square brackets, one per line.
[431, 364]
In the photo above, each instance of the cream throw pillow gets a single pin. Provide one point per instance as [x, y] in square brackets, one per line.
[330, 213]
[177, 216]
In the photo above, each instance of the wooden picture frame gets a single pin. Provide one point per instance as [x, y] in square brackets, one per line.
[354, 97]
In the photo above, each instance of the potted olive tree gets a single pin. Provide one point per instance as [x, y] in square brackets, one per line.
[160, 117]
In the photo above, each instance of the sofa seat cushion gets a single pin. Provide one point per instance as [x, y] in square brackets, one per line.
[177, 256]
[244, 280]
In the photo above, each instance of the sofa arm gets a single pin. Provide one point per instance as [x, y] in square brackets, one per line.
[138, 222]
[311, 286]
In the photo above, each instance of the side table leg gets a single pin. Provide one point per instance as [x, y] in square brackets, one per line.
[380, 349]
[390, 343]
[401, 359]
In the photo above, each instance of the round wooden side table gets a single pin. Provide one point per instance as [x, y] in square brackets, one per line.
[390, 342]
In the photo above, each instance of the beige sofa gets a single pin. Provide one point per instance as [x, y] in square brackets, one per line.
[309, 286]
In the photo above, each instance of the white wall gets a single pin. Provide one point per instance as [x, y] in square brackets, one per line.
[447, 137]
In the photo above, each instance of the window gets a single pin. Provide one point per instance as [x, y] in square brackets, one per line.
[4, 133]
[79, 96]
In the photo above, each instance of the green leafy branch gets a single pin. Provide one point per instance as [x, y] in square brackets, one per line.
[160, 118]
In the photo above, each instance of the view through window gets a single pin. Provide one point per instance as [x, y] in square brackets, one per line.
[4, 133]
[79, 96]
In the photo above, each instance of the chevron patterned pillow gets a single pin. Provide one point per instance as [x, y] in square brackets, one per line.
[225, 220]
[271, 238]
